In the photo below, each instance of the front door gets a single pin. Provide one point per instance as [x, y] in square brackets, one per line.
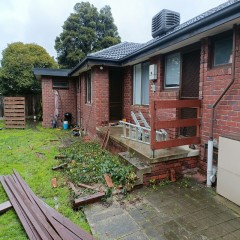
[115, 93]
[190, 87]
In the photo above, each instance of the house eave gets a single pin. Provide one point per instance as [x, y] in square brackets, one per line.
[193, 33]
[88, 62]
[39, 72]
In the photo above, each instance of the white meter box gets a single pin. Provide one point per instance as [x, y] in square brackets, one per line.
[153, 72]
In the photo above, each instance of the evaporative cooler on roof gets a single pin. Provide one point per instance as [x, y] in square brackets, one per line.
[164, 21]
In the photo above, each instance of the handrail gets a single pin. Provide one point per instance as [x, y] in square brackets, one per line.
[177, 104]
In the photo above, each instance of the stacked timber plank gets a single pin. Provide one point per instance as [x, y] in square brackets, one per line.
[14, 112]
[40, 221]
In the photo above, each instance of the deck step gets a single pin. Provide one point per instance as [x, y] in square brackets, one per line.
[139, 165]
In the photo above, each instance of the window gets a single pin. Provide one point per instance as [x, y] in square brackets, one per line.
[60, 84]
[141, 84]
[222, 51]
[172, 71]
[88, 88]
[79, 85]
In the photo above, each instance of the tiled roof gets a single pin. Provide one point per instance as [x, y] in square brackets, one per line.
[124, 49]
[117, 52]
[193, 20]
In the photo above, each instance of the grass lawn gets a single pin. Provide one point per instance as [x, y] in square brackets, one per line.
[31, 152]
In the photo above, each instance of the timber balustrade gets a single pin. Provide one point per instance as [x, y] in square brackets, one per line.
[178, 123]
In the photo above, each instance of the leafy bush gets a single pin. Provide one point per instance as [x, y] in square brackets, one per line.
[88, 163]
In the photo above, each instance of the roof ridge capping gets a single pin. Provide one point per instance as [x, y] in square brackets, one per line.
[188, 23]
[205, 14]
[124, 51]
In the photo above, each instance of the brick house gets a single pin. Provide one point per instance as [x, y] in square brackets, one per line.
[197, 60]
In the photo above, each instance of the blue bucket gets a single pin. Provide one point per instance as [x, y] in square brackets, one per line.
[65, 125]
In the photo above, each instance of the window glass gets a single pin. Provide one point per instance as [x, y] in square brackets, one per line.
[141, 84]
[60, 84]
[88, 88]
[222, 51]
[172, 70]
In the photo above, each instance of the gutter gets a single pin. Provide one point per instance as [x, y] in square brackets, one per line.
[210, 175]
[94, 60]
[205, 23]
[231, 12]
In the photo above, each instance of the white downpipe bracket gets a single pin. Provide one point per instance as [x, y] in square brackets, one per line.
[210, 163]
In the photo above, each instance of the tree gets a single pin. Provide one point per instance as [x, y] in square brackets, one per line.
[18, 60]
[85, 31]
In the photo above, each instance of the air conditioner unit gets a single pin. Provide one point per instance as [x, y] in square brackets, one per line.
[164, 21]
[153, 72]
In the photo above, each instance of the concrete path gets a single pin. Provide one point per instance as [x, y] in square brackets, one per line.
[171, 212]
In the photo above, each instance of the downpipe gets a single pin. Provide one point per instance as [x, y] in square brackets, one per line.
[210, 171]
[210, 163]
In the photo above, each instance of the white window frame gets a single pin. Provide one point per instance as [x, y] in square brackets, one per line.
[138, 84]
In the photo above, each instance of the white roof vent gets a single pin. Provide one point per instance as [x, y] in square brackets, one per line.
[164, 21]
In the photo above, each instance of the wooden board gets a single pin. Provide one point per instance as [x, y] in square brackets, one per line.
[38, 219]
[88, 199]
[14, 112]
[5, 206]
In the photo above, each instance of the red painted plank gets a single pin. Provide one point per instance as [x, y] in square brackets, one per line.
[177, 123]
[176, 142]
[67, 229]
[88, 199]
[163, 104]
[21, 216]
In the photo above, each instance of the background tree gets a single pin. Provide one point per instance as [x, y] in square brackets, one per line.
[85, 31]
[18, 60]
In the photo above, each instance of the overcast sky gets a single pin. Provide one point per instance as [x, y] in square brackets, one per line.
[40, 21]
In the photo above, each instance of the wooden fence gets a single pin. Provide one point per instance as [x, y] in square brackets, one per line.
[14, 112]
[32, 105]
[178, 123]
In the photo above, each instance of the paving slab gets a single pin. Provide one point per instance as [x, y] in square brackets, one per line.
[169, 212]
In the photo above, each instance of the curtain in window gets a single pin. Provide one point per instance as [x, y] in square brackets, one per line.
[172, 70]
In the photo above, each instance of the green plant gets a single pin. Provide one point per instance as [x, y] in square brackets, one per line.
[185, 182]
[91, 163]
[153, 184]
[34, 164]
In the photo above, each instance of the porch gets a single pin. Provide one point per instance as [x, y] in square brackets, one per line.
[170, 163]
[142, 150]
[154, 154]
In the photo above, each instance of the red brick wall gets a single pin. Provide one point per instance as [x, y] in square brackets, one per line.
[67, 101]
[160, 93]
[95, 113]
[212, 84]
[161, 170]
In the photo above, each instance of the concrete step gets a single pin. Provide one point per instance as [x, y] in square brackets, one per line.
[139, 165]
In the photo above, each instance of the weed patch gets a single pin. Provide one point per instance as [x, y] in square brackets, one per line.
[88, 163]
[31, 152]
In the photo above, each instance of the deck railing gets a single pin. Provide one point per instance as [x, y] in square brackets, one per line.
[178, 123]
